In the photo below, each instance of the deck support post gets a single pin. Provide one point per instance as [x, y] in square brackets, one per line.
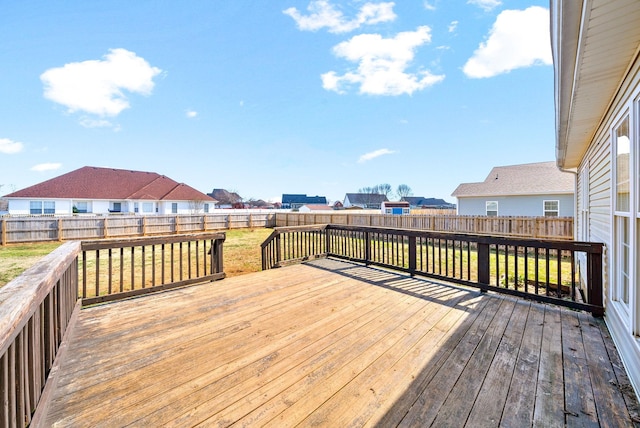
[483, 266]
[412, 255]
[594, 273]
[367, 248]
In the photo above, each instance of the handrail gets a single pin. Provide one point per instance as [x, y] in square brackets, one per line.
[35, 310]
[566, 273]
[113, 269]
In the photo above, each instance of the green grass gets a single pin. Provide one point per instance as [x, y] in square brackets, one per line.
[16, 258]
[241, 254]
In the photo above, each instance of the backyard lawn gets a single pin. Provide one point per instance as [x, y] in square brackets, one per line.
[241, 254]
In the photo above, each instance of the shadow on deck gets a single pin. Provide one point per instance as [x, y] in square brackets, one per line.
[333, 343]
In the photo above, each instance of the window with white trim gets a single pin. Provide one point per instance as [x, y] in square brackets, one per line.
[35, 207]
[551, 208]
[147, 207]
[174, 208]
[621, 223]
[491, 208]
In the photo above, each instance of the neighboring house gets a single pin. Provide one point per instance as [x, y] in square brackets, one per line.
[315, 207]
[364, 200]
[534, 189]
[225, 198]
[396, 207]
[294, 202]
[596, 50]
[418, 202]
[107, 190]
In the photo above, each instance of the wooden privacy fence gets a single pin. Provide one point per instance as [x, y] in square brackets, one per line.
[566, 273]
[38, 309]
[37, 229]
[521, 227]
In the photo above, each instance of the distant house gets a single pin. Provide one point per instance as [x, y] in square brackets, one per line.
[225, 198]
[596, 47]
[421, 202]
[534, 189]
[396, 207]
[307, 208]
[337, 205]
[295, 201]
[364, 200]
[107, 190]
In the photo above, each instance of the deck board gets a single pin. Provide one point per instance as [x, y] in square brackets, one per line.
[331, 343]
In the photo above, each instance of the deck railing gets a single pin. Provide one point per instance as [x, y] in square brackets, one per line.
[566, 273]
[38, 308]
[35, 310]
[114, 269]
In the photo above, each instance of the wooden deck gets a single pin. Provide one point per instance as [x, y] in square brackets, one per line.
[335, 344]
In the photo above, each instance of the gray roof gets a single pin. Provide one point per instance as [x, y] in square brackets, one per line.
[527, 179]
[366, 198]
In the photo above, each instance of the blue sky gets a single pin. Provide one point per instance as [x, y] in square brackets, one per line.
[322, 97]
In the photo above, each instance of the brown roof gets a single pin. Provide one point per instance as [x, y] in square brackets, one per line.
[91, 182]
[318, 207]
[525, 179]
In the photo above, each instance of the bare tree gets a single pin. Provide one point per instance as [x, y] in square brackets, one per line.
[403, 191]
[196, 206]
[384, 189]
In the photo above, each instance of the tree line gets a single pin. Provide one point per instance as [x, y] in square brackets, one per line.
[401, 191]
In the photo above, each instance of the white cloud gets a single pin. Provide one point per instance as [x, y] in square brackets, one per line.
[88, 122]
[46, 167]
[96, 86]
[323, 14]
[10, 147]
[372, 155]
[486, 5]
[453, 26]
[382, 64]
[191, 114]
[429, 6]
[519, 38]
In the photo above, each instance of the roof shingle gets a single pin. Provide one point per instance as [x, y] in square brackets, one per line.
[91, 182]
[525, 179]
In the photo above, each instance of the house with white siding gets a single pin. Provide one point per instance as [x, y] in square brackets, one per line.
[533, 190]
[596, 51]
[108, 190]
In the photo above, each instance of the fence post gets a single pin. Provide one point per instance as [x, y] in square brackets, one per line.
[594, 275]
[177, 224]
[3, 231]
[144, 225]
[59, 230]
[412, 255]
[483, 266]
[104, 228]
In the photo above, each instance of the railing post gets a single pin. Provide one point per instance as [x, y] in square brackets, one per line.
[483, 266]
[594, 275]
[327, 241]
[278, 251]
[412, 255]
[367, 248]
[219, 255]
